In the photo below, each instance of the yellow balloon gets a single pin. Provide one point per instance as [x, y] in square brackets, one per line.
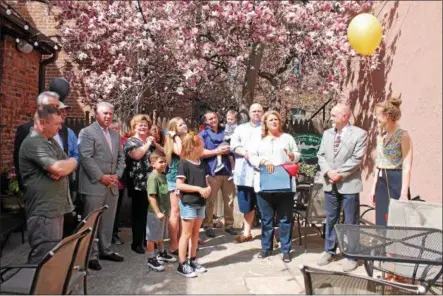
[365, 33]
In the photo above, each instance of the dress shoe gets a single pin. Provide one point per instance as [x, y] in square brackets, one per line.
[138, 249]
[113, 257]
[94, 265]
[264, 254]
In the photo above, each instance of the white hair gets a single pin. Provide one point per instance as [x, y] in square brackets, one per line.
[102, 105]
[43, 98]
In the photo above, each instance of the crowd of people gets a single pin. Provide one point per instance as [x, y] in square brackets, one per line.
[174, 177]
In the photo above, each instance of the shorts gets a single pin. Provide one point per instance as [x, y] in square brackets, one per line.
[192, 212]
[247, 199]
[172, 186]
[156, 230]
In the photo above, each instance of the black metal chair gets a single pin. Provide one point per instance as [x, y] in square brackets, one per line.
[318, 281]
[50, 276]
[313, 213]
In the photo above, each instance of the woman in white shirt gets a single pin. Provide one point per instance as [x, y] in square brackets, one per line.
[275, 148]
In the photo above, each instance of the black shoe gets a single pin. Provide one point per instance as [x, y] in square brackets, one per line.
[94, 265]
[155, 265]
[186, 270]
[165, 257]
[264, 254]
[210, 232]
[117, 240]
[113, 257]
[138, 249]
[287, 257]
[231, 231]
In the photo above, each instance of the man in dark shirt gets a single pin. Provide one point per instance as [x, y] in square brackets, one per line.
[44, 168]
[213, 136]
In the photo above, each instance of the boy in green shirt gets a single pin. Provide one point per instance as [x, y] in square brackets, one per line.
[158, 213]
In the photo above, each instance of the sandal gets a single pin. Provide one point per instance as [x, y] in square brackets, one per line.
[243, 238]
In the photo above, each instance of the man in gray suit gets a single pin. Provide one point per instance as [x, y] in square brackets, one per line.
[102, 162]
[340, 155]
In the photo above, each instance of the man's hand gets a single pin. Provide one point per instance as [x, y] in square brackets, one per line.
[160, 216]
[107, 180]
[54, 177]
[224, 149]
[334, 176]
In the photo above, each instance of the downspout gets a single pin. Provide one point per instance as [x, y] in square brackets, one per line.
[42, 71]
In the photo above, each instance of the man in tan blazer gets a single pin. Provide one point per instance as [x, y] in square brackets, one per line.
[340, 155]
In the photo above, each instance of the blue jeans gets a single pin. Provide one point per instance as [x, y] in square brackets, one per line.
[280, 204]
[334, 202]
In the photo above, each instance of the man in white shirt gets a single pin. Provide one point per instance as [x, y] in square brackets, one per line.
[245, 137]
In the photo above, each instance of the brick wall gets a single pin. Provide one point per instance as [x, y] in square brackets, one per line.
[18, 92]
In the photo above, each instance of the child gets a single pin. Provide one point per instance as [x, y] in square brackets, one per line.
[231, 124]
[158, 212]
[194, 190]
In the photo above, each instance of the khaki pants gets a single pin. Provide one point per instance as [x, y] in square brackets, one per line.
[228, 193]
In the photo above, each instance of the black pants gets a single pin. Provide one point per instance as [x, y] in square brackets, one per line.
[117, 213]
[139, 211]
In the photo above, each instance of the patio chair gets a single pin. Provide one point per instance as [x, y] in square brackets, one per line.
[50, 276]
[80, 271]
[412, 214]
[314, 213]
[318, 281]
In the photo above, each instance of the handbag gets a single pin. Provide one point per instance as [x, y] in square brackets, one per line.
[278, 181]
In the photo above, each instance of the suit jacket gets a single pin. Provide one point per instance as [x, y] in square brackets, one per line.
[97, 160]
[21, 133]
[346, 160]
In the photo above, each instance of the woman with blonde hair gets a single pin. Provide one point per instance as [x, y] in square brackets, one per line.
[394, 159]
[137, 150]
[177, 130]
[275, 148]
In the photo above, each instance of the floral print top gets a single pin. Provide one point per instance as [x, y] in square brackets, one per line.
[389, 155]
[138, 170]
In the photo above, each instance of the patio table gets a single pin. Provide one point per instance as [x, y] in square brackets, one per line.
[419, 246]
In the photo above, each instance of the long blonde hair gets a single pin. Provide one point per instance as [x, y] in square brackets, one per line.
[264, 129]
[169, 141]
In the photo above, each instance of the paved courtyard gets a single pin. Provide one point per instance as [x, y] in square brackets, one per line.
[232, 269]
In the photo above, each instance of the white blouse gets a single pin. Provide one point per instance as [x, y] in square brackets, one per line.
[272, 149]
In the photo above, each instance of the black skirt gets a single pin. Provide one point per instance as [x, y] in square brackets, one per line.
[394, 179]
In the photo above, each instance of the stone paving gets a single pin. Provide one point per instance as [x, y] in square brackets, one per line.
[232, 268]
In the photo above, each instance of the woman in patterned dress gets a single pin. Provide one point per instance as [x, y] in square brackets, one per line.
[137, 150]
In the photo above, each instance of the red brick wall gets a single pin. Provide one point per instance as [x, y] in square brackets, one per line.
[18, 92]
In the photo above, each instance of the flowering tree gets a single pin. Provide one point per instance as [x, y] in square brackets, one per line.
[133, 51]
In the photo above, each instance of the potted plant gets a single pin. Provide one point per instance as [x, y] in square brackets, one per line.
[11, 201]
[306, 173]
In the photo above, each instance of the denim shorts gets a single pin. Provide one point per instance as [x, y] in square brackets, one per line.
[172, 186]
[247, 199]
[188, 212]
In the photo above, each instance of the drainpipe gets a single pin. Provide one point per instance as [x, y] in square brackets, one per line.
[42, 71]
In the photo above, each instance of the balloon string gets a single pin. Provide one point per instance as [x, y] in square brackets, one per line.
[371, 80]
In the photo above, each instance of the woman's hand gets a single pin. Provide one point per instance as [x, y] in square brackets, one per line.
[269, 167]
[289, 154]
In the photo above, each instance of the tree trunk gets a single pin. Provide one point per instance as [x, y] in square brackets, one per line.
[248, 90]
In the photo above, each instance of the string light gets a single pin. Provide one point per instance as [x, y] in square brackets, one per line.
[56, 47]
[35, 43]
[17, 40]
[8, 11]
[26, 27]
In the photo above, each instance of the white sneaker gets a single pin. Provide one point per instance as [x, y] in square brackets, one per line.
[155, 265]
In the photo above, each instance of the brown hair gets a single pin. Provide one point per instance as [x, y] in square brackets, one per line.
[232, 112]
[264, 129]
[391, 108]
[139, 118]
[156, 154]
[160, 134]
[189, 145]
[169, 141]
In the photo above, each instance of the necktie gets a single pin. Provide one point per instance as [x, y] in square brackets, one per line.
[337, 141]
[108, 138]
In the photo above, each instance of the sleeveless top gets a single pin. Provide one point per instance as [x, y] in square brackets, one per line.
[173, 168]
[389, 155]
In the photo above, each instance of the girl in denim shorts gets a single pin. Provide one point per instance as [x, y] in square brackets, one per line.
[194, 190]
